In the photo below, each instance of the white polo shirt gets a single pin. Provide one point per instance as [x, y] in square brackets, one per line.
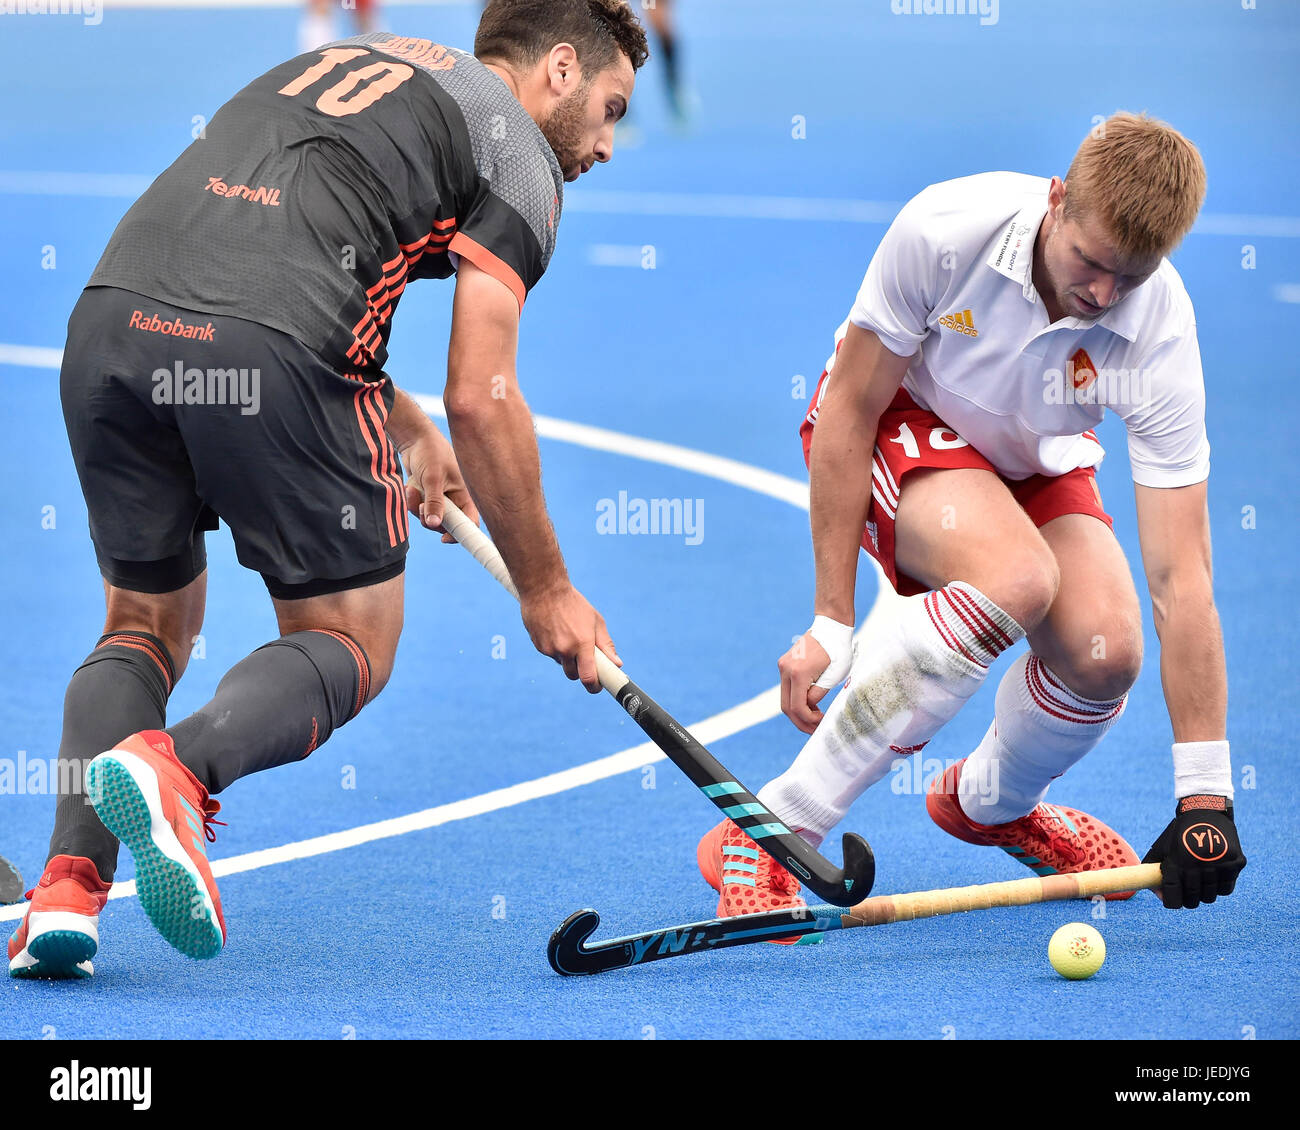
[952, 282]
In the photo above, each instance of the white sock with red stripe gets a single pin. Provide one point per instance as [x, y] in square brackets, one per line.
[906, 682]
[1040, 728]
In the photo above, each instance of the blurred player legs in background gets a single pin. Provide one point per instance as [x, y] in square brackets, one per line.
[660, 15]
[320, 24]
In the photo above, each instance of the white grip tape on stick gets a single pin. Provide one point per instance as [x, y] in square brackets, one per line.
[486, 554]
[478, 543]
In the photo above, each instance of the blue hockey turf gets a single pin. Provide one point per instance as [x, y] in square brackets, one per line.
[692, 301]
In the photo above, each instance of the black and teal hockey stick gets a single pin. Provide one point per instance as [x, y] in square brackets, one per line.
[840, 886]
[570, 954]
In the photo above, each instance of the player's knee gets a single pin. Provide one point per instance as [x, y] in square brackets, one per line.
[354, 665]
[380, 651]
[1026, 585]
[1110, 666]
[178, 640]
[176, 619]
[381, 670]
[1042, 583]
[367, 618]
[184, 641]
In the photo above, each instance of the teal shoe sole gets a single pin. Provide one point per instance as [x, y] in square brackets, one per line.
[172, 896]
[58, 954]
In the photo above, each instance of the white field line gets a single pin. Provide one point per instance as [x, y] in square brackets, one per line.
[31, 356]
[616, 255]
[744, 475]
[689, 205]
[742, 716]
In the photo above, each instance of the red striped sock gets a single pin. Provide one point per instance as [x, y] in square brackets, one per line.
[971, 624]
[912, 675]
[1040, 728]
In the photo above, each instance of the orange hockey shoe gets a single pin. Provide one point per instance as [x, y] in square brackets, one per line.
[1051, 840]
[747, 879]
[157, 807]
[59, 933]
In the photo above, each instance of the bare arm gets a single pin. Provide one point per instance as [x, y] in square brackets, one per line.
[864, 381]
[407, 422]
[492, 431]
[1199, 851]
[1174, 530]
[430, 463]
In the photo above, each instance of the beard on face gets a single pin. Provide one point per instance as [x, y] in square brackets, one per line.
[564, 127]
[1065, 298]
[1087, 315]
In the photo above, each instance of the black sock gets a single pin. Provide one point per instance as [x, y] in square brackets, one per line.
[668, 52]
[122, 687]
[273, 707]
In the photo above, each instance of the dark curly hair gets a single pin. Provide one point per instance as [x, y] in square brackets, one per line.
[519, 32]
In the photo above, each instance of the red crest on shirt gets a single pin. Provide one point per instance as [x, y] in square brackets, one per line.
[1082, 371]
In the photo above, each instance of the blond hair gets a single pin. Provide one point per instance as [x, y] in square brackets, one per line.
[1142, 179]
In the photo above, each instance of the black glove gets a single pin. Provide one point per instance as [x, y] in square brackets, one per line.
[1199, 853]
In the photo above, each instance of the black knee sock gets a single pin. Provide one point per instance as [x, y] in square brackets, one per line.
[668, 52]
[122, 687]
[274, 707]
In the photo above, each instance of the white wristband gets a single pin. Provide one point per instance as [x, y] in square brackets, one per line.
[836, 640]
[1202, 767]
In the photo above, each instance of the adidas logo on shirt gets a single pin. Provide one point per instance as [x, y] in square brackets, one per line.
[962, 322]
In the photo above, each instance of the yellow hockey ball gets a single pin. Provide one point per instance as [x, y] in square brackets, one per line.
[1076, 951]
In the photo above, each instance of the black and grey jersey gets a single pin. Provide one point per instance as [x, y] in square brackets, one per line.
[321, 189]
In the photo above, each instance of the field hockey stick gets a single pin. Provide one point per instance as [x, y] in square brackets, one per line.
[571, 956]
[835, 885]
[11, 883]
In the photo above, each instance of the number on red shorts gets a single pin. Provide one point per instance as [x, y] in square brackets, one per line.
[941, 439]
[908, 442]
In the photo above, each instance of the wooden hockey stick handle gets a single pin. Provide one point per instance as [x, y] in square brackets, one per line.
[882, 909]
[486, 554]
